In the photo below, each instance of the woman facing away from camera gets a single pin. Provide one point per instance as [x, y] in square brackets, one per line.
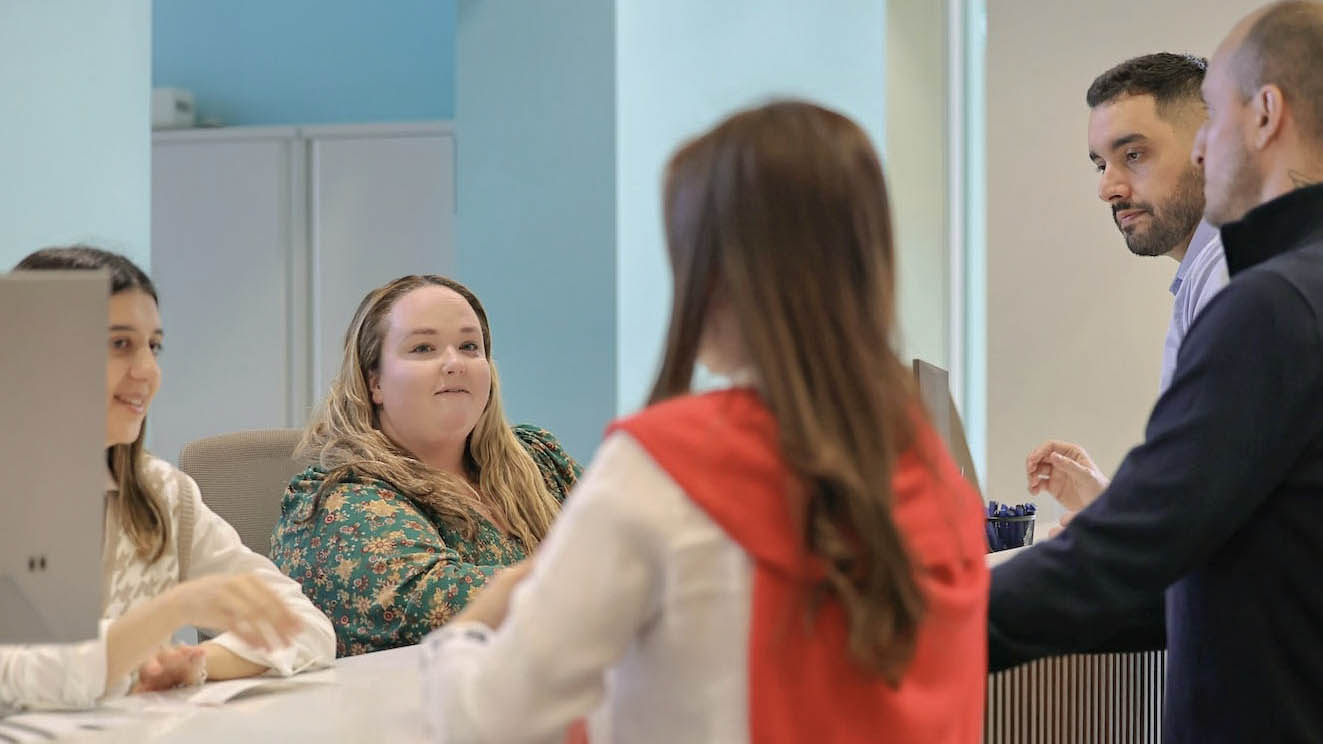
[420, 490]
[793, 559]
[168, 560]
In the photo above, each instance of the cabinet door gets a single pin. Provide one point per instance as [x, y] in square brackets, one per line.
[382, 207]
[223, 263]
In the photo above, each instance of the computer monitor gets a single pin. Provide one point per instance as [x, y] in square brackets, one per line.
[935, 392]
[52, 453]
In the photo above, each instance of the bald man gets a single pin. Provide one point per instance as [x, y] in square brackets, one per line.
[1216, 520]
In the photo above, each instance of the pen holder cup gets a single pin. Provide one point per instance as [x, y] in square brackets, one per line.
[1005, 533]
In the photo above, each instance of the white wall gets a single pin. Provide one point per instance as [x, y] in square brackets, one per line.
[74, 137]
[1075, 322]
[916, 169]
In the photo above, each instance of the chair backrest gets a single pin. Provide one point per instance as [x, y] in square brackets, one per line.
[243, 476]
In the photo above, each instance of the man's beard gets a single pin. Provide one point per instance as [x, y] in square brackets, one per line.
[1174, 221]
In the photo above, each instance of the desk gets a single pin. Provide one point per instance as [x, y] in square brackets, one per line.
[1077, 699]
[373, 697]
[1105, 698]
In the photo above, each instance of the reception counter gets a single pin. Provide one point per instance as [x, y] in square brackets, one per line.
[1077, 699]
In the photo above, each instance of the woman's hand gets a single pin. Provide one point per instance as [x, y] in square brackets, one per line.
[172, 666]
[491, 603]
[235, 603]
[223, 663]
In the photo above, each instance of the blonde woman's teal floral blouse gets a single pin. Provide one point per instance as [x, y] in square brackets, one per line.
[383, 569]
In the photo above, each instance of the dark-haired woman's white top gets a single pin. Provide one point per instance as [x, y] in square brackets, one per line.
[74, 675]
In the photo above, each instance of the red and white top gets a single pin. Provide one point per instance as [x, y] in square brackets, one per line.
[662, 604]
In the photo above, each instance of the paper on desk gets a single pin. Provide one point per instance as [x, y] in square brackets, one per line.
[38, 726]
[219, 693]
[213, 693]
[48, 726]
[171, 702]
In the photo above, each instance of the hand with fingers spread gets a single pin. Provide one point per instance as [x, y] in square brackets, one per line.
[172, 666]
[237, 603]
[1067, 472]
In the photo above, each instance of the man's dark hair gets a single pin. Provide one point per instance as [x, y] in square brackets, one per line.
[1172, 79]
[1284, 47]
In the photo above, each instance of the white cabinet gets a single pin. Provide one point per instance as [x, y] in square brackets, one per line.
[375, 216]
[263, 242]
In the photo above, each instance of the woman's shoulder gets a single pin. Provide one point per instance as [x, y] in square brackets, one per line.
[535, 436]
[315, 478]
[167, 483]
[933, 503]
[559, 468]
[346, 493]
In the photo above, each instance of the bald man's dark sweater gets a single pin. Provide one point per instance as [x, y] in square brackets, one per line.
[1219, 512]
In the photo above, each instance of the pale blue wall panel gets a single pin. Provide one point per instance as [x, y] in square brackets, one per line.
[535, 126]
[308, 61]
[74, 138]
[684, 64]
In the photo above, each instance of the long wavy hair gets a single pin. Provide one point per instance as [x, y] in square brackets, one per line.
[140, 513]
[783, 210]
[345, 435]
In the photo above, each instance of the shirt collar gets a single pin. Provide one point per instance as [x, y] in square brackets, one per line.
[1203, 236]
[1273, 228]
[745, 377]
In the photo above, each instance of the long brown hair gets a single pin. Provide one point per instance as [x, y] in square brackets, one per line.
[783, 210]
[345, 435]
[140, 514]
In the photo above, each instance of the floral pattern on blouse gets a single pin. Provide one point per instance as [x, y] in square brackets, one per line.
[385, 571]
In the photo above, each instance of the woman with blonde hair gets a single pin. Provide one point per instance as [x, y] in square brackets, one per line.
[420, 489]
[793, 559]
[168, 560]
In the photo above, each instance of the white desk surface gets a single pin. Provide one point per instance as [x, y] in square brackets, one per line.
[374, 697]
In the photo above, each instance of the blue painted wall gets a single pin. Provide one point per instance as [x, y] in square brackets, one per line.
[308, 61]
[683, 65]
[75, 158]
[566, 111]
[535, 140]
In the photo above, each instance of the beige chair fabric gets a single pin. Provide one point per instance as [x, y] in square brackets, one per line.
[243, 476]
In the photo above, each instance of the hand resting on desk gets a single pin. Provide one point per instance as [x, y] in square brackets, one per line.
[172, 666]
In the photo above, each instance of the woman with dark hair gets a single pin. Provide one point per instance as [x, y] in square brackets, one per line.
[169, 561]
[793, 559]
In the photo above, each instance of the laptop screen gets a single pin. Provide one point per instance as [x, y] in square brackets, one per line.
[935, 392]
[52, 452]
